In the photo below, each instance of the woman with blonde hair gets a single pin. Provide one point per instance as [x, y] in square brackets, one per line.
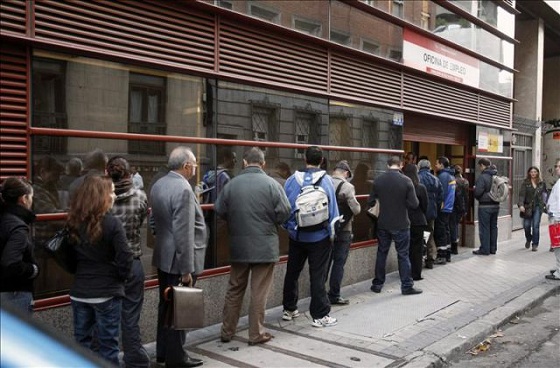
[18, 267]
[103, 262]
[532, 204]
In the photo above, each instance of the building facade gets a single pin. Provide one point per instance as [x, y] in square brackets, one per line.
[363, 79]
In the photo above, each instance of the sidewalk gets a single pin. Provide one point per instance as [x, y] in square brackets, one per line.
[463, 302]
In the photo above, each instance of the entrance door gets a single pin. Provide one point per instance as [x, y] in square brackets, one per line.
[522, 160]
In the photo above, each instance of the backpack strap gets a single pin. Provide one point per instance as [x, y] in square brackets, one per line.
[339, 186]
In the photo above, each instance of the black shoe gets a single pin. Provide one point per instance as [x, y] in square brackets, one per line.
[551, 277]
[418, 278]
[552, 272]
[429, 265]
[527, 244]
[440, 261]
[225, 339]
[376, 289]
[340, 301]
[411, 291]
[535, 248]
[189, 363]
[479, 253]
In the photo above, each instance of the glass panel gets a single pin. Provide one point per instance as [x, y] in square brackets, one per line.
[491, 13]
[363, 31]
[89, 94]
[53, 176]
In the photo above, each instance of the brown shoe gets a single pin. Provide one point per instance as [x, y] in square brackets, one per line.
[266, 337]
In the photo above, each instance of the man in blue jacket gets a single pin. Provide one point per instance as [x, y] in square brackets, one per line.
[435, 199]
[315, 246]
[446, 176]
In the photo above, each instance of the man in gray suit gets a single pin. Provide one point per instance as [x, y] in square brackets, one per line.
[180, 244]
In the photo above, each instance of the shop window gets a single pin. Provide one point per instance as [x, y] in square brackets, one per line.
[49, 103]
[307, 26]
[267, 14]
[146, 112]
[370, 134]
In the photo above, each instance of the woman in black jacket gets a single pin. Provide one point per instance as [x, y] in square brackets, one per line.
[532, 203]
[103, 262]
[18, 266]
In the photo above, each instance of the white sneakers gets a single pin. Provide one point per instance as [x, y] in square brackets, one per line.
[288, 315]
[326, 321]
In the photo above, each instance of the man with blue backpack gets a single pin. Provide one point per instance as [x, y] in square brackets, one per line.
[314, 208]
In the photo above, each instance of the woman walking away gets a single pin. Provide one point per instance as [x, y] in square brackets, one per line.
[532, 204]
[103, 262]
[18, 266]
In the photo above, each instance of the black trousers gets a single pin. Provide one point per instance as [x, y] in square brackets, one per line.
[415, 251]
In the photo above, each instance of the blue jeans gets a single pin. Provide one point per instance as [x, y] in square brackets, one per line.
[532, 225]
[105, 318]
[402, 244]
[340, 252]
[488, 229]
[318, 255]
[134, 353]
[21, 300]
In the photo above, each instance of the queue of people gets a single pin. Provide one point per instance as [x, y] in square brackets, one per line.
[107, 208]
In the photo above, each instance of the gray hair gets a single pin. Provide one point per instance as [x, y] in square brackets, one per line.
[179, 156]
[254, 156]
[424, 164]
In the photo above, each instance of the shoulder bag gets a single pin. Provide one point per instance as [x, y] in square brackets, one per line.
[60, 248]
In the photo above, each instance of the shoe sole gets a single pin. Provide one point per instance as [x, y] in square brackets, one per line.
[322, 325]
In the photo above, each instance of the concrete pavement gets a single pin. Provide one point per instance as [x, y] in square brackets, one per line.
[463, 302]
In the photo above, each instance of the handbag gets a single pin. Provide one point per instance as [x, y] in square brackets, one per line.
[185, 309]
[61, 249]
[373, 211]
[528, 212]
[554, 232]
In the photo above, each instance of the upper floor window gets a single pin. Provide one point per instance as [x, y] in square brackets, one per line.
[397, 8]
[228, 4]
[371, 47]
[146, 112]
[261, 12]
[307, 26]
[341, 38]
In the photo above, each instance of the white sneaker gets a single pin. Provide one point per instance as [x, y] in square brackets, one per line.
[288, 316]
[326, 321]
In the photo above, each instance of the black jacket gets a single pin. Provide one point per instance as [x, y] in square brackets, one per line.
[482, 188]
[18, 266]
[103, 267]
[417, 216]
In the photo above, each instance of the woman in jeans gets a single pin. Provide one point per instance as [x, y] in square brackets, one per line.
[103, 262]
[18, 266]
[532, 204]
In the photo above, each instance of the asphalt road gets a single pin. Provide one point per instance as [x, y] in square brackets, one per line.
[531, 340]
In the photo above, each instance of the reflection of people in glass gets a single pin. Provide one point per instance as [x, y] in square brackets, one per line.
[74, 167]
[18, 267]
[281, 172]
[94, 165]
[47, 174]
[363, 228]
[217, 179]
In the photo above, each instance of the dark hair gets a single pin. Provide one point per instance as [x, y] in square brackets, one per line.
[484, 161]
[118, 168]
[411, 171]
[282, 166]
[49, 164]
[12, 188]
[254, 155]
[96, 159]
[528, 177]
[443, 161]
[74, 166]
[313, 155]
[394, 160]
[458, 170]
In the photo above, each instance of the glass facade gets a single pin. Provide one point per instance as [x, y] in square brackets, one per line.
[100, 97]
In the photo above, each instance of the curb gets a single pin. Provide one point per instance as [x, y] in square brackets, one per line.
[439, 354]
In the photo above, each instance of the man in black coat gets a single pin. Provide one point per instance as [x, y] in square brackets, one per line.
[396, 195]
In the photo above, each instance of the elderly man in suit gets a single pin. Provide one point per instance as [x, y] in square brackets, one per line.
[180, 245]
